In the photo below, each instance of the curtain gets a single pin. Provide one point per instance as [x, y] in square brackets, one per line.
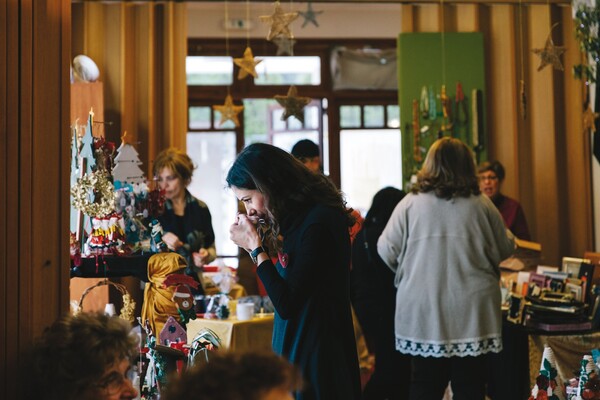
[140, 50]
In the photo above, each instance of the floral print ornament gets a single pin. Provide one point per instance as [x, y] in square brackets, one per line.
[546, 387]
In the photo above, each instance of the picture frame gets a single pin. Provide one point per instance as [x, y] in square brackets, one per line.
[575, 290]
[571, 265]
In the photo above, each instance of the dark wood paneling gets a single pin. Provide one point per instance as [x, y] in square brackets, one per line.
[34, 107]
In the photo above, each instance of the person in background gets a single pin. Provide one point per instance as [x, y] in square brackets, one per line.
[81, 357]
[237, 376]
[186, 221]
[374, 300]
[302, 218]
[444, 242]
[491, 176]
[308, 153]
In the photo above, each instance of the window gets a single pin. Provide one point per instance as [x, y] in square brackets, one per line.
[352, 127]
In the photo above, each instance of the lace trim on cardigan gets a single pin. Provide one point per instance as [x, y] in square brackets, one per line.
[466, 347]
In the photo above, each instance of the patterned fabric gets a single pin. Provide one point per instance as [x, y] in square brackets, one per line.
[467, 347]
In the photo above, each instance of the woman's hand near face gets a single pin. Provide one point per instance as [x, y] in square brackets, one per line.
[172, 241]
[244, 234]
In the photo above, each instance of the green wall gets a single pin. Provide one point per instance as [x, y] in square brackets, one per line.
[421, 62]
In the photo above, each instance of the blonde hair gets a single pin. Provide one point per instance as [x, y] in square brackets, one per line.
[177, 161]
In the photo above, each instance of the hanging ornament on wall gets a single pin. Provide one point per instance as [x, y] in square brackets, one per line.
[550, 54]
[247, 64]
[229, 111]
[285, 45]
[279, 21]
[589, 119]
[293, 105]
[310, 15]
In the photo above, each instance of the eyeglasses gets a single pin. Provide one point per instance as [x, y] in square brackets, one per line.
[487, 178]
[113, 383]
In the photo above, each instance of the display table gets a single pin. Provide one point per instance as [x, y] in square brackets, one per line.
[112, 267]
[568, 348]
[254, 334]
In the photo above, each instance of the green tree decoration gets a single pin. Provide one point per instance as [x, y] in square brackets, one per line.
[587, 21]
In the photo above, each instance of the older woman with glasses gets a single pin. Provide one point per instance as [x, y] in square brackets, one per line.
[491, 176]
[84, 356]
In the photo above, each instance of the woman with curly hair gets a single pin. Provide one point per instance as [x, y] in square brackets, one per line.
[444, 242]
[309, 284]
[82, 357]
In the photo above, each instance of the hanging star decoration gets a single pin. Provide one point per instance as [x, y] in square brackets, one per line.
[550, 54]
[310, 15]
[285, 45]
[229, 111]
[247, 64]
[293, 105]
[279, 21]
[589, 119]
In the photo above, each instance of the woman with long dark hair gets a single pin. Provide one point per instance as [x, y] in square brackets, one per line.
[301, 218]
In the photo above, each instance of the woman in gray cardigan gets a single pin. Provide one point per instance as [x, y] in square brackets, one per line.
[444, 242]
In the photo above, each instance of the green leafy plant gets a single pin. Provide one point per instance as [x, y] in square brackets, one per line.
[587, 20]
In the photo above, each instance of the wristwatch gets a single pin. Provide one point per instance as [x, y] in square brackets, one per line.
[254, 254]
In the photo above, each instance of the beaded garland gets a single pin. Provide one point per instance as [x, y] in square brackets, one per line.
[97, 182]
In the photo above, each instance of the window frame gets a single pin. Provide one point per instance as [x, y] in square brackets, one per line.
[206, 95]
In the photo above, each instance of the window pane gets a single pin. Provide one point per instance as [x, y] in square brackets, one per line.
[374, 117]
[209, 70]
[350, 116]
[199, 117]
[288, 71]
[370, 160]
[213, 153]
[393, 116]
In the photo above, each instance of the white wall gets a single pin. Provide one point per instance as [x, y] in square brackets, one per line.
[338, 20]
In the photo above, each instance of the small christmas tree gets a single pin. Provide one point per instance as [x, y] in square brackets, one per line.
[127, 163]
[87, 146]
[546, 386]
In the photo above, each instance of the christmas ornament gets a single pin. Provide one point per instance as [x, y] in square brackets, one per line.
[279, 21]
[127, 162]
[95, 183]
[546, 386]
[229, 111]
[550, 54]
[310, 15]
[589, 119]
[285, 45]
[416, 131]
[247, 64]
[293, 105]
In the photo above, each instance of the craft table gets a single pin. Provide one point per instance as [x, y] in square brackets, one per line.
[568, 348]
[254, 334]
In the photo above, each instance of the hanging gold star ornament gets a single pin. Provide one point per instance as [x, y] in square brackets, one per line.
[310, 15]
[285, 45]
[550, 54]
[247, 64]
[279, 21]
[293, 105]
[589, 120]
[229, 111]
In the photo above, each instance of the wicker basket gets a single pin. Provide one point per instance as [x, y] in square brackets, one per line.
[128, 308]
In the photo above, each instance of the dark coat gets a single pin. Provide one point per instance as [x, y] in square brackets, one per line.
[313, 322]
